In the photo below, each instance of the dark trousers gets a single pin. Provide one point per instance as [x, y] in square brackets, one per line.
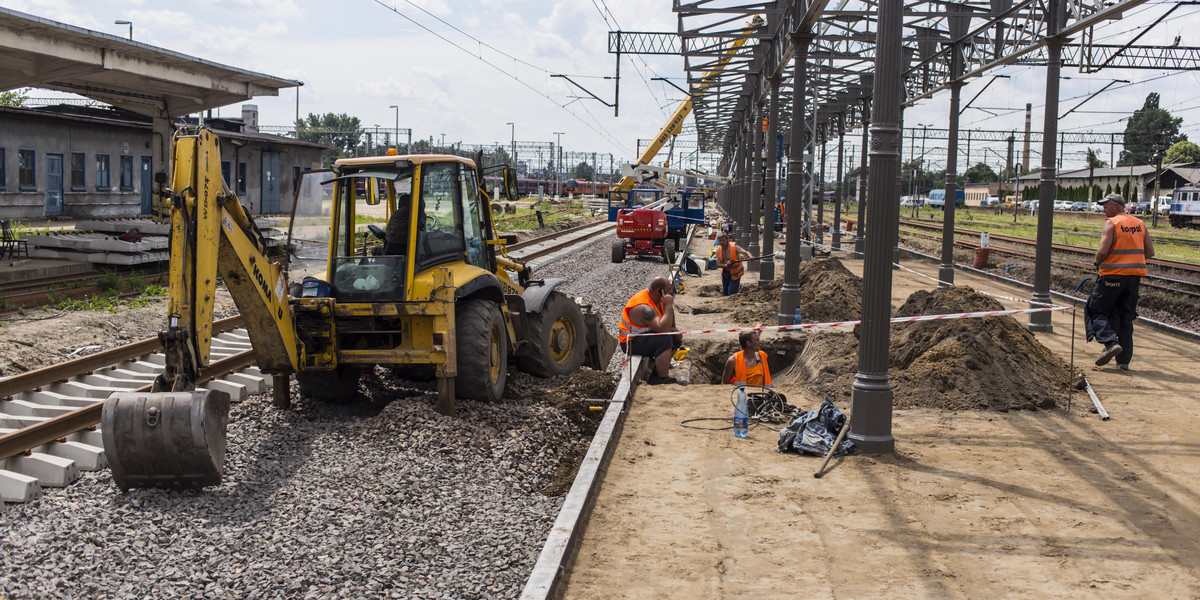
[729, 285]
[1112, 309]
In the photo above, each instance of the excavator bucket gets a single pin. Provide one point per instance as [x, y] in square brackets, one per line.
[600, 343]
[166, 439]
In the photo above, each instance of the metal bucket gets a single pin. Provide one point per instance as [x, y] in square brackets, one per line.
[172, 439]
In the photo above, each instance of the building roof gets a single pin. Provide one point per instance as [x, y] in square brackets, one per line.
[1188, 171]
[139, 77]
[123, 118]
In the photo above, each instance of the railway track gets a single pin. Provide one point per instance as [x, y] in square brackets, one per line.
[1155, 281]
[48, 416]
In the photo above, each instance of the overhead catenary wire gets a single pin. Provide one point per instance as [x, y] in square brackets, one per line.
[604, 134]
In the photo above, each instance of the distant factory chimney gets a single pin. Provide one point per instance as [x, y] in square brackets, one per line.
[249, 118]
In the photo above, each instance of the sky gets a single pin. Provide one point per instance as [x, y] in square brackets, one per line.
[466, 68]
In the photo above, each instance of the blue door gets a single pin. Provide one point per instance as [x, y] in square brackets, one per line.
[147, 186]
[270, 183]
[54, 184]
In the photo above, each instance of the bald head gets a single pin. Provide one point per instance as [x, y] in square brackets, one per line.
[659, 284]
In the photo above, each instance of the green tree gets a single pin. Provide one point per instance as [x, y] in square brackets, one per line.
[342, 132]
[980, 173]
[500, 156]
[1182, 151]
[1149, 132]
[584, 171]
[1108, 189]
[14, 98]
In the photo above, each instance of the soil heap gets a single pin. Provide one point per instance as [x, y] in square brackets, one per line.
[993, 363]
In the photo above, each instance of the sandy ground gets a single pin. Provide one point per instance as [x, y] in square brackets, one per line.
[1047, 504]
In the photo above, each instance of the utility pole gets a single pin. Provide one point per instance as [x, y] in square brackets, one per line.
[558, 165]
[1011, 139]
[397, 107]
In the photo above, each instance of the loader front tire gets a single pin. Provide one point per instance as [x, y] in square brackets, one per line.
[338, 386]
[557, 338]
[482, 348]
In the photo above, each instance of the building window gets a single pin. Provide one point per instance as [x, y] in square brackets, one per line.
[241, 182]
[225, 172]
[102, 182]
[78, 166]
[3, 171]
[26, 170]
[126, 172]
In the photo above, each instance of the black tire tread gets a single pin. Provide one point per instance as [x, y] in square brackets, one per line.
[473, 321]
[539, 362]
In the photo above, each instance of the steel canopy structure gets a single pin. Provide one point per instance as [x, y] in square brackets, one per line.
[815, 69]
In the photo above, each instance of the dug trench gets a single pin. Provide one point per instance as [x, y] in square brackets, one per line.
[991, 363]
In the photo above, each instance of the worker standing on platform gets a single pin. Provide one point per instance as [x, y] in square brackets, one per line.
[1125, 247]
[730, 258]
[651, 310]
[748, 367]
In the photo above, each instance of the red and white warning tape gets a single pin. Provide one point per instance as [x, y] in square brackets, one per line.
[833, 324]
[940, 282]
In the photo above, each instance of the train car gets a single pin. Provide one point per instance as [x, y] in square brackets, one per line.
[1185, 207]
[589, 188]
[937, 198]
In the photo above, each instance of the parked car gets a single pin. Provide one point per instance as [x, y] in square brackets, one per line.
[1095, 207]
[990, 201]
[906, 201]
[1062, 205]
[1079, 206]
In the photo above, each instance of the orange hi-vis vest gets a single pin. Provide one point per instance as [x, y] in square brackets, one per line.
[737, 269]
[626, 326]
[757, 375]
[1128, 254]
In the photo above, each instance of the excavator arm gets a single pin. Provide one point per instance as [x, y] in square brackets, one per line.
[175, 434]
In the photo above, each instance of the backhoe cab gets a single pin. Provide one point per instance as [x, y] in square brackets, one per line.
[431, 295]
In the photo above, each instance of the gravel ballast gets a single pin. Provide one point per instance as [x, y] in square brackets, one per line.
[381, 498]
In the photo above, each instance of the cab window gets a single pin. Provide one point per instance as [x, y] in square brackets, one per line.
[439, 223]
[472, 219]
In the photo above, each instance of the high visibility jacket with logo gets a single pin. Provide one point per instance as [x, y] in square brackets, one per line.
[626, 326]
[1128, 254]
[737, 269]
[757, 375]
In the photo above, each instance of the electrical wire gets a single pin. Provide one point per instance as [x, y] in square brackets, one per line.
[603, 134]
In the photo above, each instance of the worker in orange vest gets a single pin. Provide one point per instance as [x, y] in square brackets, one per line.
[732, 269]
[651, 310]
[748, 367]
[1125, 247]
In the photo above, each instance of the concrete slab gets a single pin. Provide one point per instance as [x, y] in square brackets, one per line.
[25, 408]
[50, 470]
[237, 392]
[23, 269]
[254, 385]
[56, 399]
[82, 390]
[18, 421]
[117, 258]
[90, 437]
[17, 487]
[144, 226]
[93, 242]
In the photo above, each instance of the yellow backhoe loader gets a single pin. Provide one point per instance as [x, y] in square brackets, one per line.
[433, 296]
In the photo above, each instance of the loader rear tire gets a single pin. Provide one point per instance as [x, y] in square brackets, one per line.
[482, 347]
[557, 338]
[338, 386]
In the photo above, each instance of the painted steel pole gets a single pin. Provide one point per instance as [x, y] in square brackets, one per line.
[1040, 321]
[946, 270]
[789, 295]
[766, 270]
[871, 428]
[860, 239]
[819, 192]
[756, 207]
[837, 185]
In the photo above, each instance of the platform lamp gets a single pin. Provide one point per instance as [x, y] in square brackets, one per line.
[397, 133]
[129, 23]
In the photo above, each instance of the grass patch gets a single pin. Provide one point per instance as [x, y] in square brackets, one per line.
[526, 219]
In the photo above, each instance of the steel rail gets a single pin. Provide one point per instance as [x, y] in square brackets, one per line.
[56, 428]
[10, 386]
[1169, 264]
[601, 228]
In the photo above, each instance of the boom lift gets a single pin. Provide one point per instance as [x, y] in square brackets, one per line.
[435, 299]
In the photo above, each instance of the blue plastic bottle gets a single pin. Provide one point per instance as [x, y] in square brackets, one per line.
[796, 320]
[741, 415]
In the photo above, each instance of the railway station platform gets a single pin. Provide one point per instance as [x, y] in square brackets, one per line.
[971, 504]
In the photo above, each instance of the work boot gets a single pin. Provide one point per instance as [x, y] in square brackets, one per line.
[1123, 367]
[1110, 351]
